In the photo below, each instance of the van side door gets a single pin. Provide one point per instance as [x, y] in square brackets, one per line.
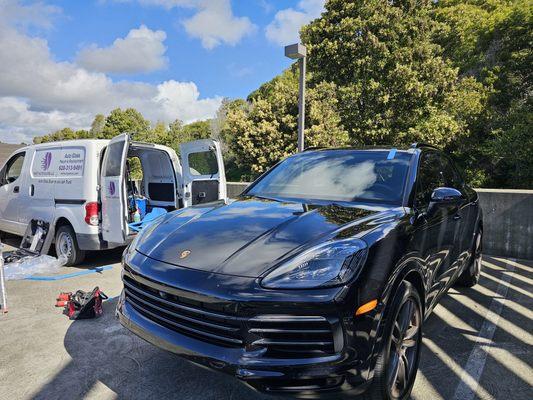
[113, 190]
[11, 177]
[204, 177]
[37, 190]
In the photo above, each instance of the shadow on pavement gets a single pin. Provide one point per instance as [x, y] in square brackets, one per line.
[103, 352]
[109, 361]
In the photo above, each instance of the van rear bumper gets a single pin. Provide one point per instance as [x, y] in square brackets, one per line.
[90, 241]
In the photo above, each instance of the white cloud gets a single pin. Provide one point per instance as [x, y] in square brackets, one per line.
[38, 14]
[39, 94]
[215, 23]
[19, 124]
[183, 98]
[285, 28]
[142, 50]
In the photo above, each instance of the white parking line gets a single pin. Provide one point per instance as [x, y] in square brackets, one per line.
[469, 379]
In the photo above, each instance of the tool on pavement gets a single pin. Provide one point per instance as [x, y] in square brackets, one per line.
[82, 305]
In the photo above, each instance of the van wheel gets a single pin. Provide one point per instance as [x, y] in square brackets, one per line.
[397, 362]
[67, 246]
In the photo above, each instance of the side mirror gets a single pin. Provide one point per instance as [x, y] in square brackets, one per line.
[445, 195]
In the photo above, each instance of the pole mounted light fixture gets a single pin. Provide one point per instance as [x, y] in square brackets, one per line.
[298, 52]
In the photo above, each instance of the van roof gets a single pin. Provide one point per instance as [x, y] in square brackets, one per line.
[75, 142]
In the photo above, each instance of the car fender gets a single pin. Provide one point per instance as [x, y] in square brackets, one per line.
[408, 266]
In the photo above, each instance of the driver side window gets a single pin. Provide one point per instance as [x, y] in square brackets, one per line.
[430, 177]
[13, 168]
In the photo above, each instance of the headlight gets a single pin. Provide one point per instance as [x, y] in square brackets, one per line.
[329, 264]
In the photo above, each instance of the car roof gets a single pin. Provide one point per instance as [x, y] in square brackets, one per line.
[380, 147]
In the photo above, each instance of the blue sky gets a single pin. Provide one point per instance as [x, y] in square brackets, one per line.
[61, 62]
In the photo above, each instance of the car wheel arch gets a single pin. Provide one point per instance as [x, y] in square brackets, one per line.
[410, 272]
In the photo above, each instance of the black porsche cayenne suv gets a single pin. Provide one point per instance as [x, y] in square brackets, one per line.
[317, 279]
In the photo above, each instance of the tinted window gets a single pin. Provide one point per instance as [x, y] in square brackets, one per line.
[451, 176]
[114, 159]
[14, 167]
[203, 163]
[430, 177]
[338, 175]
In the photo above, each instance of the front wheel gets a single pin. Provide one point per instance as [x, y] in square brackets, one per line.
[67, 246]
[397, 363]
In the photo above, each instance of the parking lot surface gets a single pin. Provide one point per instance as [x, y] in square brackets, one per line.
[477, 345]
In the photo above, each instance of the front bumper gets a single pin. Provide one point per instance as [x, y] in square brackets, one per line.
[342, 371]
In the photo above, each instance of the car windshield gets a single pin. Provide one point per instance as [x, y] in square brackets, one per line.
[338, 175]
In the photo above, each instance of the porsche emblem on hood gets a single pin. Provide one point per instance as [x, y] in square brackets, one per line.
[185, 254]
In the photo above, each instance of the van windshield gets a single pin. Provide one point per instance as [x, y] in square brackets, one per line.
[338, 175]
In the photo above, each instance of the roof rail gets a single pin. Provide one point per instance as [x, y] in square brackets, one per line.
[418, 145]
[314, 148]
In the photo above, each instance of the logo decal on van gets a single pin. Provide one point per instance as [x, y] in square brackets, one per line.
[47, 161]
[112, 188]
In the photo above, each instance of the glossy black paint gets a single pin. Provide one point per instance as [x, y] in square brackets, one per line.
[232, 245]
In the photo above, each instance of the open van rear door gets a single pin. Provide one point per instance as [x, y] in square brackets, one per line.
[204, 178]
[113, 190]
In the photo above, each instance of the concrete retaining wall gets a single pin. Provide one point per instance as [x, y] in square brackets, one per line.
[508, 222]
[507, 219]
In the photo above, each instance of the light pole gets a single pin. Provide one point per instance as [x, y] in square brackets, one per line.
[298, 52]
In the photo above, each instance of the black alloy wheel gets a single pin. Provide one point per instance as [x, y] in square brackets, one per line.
[397, 361]
[404, 348]
[470, 276]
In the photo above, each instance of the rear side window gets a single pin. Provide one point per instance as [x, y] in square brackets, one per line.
[203, 163]
[114, 159]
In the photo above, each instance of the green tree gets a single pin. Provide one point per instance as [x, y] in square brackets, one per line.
[263, 130]
[97, 127]
[491, 41]
[62, 134]
[393, 85]
[126, 121]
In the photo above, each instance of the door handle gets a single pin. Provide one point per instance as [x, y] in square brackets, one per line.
[16, 189]
[32, 190]
[457, 217]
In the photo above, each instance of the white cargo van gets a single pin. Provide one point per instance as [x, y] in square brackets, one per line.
[84, 187]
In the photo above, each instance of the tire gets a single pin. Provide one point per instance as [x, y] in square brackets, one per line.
[66, 245]
[470, 276]
[401, 347]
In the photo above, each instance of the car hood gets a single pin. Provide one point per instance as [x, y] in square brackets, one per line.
[248, 236]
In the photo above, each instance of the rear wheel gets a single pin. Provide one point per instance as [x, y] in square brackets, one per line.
[470, 276]
[67, 246]
[397, 363]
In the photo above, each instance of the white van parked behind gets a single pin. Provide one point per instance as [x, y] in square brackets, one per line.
[83, 188]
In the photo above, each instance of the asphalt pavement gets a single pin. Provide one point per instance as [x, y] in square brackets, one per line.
[477, 345]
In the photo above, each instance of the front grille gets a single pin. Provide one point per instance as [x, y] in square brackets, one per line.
[293, 336]
[174, 313]
[283, 336]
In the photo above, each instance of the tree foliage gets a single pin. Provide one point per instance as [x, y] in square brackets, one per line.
[491, 42]
[263, 130]
[394, 86]
[453, 73]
